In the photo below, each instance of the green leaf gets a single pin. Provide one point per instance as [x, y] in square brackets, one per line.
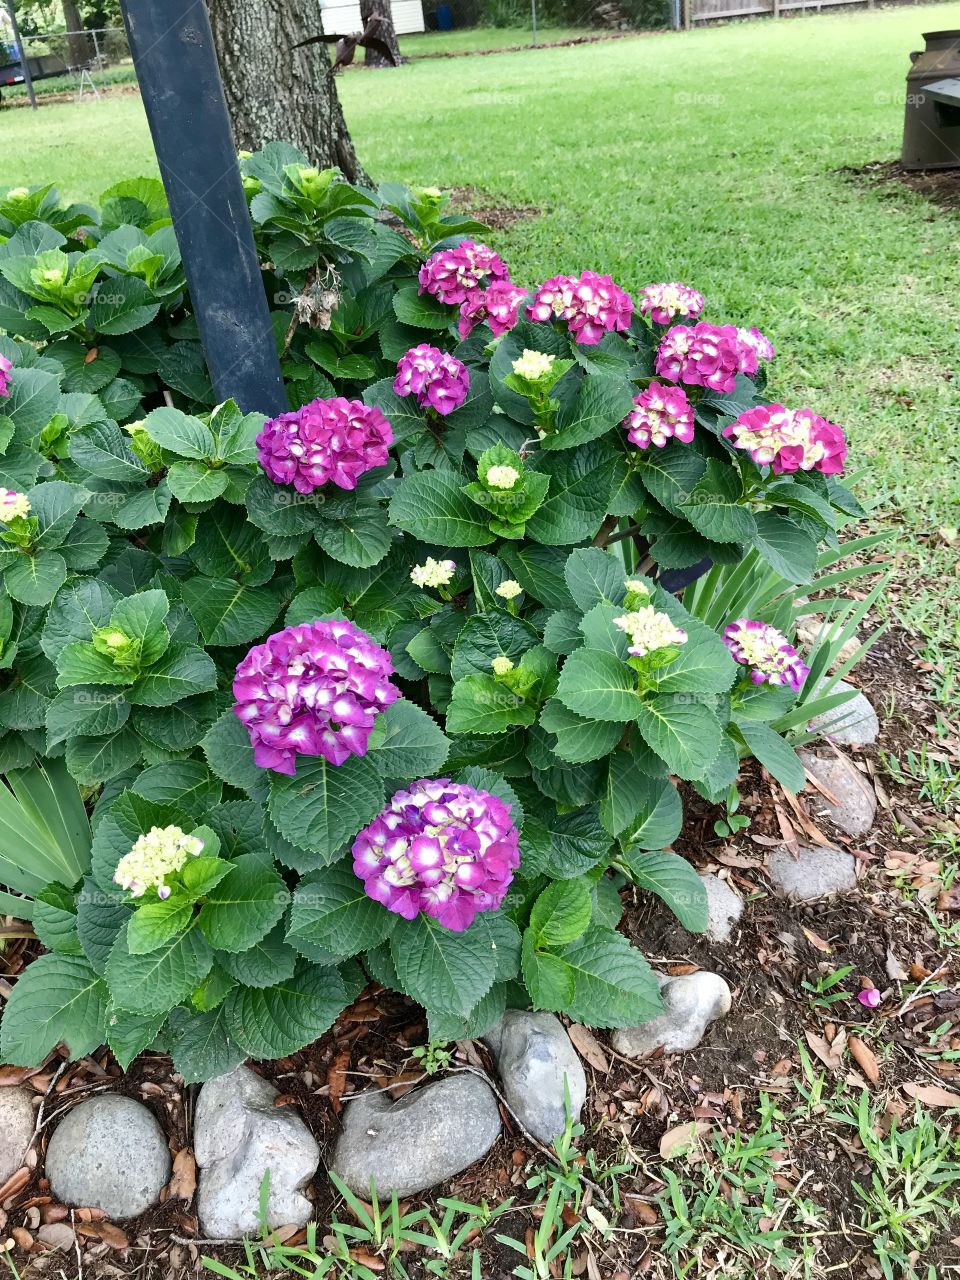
[579, 740]
[681, 730]
[228, 613]
[95, 760]
[673, 880]
[33, 400]
[788, 549]
[100, 918]
[407, 741]
[561, 913]
[598, 686]
[602, 404]
[487, 636]
[774, 753]
[200, 1045]
[54, 919]
[141, 617]
[430, 505]
[420, 310]
[713, 507]
[613, 984]
[85, 710]
[324, 806]
[36, 579]
[128, 1034]
[182, 671]
[482, 704]
[245, 906]
[56, 505]
[154, 983]
[274, 1022]
[580, 484]
[196, 482]
[361, 539]
[57, 997]
[441, 969]
[548, 979]
[80, 663]
[702, 665]
[331, 912]
[156, 922]
[230, 755]
[268, 961]
[594, 577]
[563, 845]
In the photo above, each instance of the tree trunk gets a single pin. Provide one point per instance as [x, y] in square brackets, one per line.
[384, 30]
[79, 45]
[276, 92]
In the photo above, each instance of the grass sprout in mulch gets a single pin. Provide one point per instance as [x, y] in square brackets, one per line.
[941, 186]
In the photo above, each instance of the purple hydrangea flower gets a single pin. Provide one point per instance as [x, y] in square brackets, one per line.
[312, 690]
[438, 380]
[451, 275]
[788, 440]
[665, 302]
[757, 342]
[442, 848]
[334, 440]
[772, 659]
[702, 355]
[592, 305]
[498, 305]
[661, 412]
[5, 367]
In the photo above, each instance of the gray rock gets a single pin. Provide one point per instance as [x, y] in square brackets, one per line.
[856, 800]
[693, 1001]
[534, 1057]
[855, 724]
[419, 1141]
[16, 1129]
[109, 1153]
[724, 908]
[238, 1135]
[814, 873]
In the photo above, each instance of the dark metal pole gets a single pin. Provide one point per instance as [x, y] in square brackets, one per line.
[176, 64]
[21, 49]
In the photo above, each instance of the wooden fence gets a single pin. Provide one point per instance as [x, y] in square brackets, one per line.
[713, 10]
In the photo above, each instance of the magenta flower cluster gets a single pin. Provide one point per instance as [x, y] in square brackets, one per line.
[312, 690]
[592, 305]
[438, 380]
[767, 652]
[757, 342]
[5, 367]
[661, 413]
[789, 440]
[334, 440]
[663, 303]
[498, 305]
[702, 355]
[440, 847]
[452, 275]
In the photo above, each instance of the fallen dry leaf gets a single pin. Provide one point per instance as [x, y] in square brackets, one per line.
[682, 1137]
[337, 1079]
[183, 1184]
[933, 1095]
[895, 969]
[831, 1055]
[588, 1046]
[815, 940]
[865, 1059]
[369, 1260]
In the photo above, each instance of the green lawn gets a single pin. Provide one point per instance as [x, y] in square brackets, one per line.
[475, 39]
[709, 157]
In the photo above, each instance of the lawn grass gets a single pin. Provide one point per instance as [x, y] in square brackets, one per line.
[478, 39]
[711, 157]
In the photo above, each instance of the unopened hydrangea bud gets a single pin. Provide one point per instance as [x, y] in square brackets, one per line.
[17, 193]
[161, 852]
[533, 364]
[433, 573]
[13, 505]
[502, 477]
[649, 630]
[509, 590]
[772, 659]
[502, 665]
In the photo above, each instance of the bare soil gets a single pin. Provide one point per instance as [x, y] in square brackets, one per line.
[941, 186]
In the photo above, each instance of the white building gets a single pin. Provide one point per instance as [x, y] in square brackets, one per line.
[342, 17]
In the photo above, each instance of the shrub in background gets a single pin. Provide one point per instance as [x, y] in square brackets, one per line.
[385, 687]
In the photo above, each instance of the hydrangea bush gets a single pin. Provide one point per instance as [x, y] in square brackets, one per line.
[387, 687]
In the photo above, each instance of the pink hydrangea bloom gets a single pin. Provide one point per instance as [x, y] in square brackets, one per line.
[451, 275]
[789, 440]
[498, 305]
[665, 302]
[438, 380]
[757, 342]
[701, 355]
[5, 367]
[661, 412]
[442, 848]
[312, 690]
[592, 305]
[772, 659]
[333, 440]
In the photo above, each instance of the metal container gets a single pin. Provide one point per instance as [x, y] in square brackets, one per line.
[931, 127]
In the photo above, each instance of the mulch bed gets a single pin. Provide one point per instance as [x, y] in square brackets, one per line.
[630, 1105]
[940, 186]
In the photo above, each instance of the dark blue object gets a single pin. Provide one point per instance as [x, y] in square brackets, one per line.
[444, 17]
[676, 579]
[176, 64]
